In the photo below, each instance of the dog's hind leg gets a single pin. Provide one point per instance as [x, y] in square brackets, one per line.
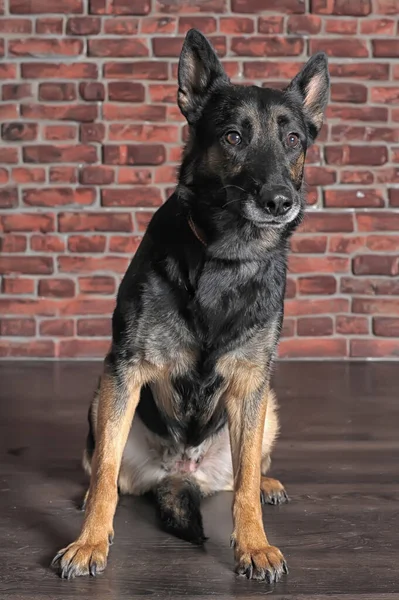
[271, 490]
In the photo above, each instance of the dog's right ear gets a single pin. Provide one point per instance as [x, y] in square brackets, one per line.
[200, 72]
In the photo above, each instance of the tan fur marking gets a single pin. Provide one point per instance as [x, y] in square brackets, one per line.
[297, 170]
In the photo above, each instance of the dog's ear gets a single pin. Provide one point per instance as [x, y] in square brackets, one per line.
[313, 85]
[200, 72]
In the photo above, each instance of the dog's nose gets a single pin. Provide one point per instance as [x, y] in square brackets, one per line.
[277, 202]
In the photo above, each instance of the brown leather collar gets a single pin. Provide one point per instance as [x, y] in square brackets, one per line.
[199, 234]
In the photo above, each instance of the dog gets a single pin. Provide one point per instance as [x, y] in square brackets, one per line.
[184, 406]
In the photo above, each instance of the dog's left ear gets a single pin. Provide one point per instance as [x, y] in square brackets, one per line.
[313, 85]
[200, 72]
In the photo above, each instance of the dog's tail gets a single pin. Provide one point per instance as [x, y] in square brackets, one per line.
[178, 502]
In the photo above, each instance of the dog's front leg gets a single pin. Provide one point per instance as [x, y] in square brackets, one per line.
[119, 396]
[254, 556]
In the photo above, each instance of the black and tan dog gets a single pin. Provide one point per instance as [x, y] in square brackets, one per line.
[184, 406]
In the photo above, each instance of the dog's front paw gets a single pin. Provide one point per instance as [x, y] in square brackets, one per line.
[263, 564]
[81, 558]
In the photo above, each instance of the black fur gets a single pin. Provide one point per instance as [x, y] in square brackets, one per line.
[211, 298]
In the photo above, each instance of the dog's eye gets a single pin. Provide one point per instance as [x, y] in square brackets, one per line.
[292, 140]
[233, 138]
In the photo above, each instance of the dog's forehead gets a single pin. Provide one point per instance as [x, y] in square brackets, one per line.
[259, 106]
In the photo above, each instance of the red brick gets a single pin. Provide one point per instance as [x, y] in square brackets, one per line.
[378, 27]
[370, 287]
[43, 46]
[314, 326]
[136, 70]
[385, 95]
[317, 348]
[81, 348]
[351, 325]
[132, 175]
[60, 132]
[57, 288]
[303, 24]
[378, 221]
[171, 46]
[323, 264]
[288, 328]
[17, 327]
[60, 112]
[63, 175]
[360, 70]
[30, 265]
[144, 133]
[394, 197]
[8, 111]
[369, 133]
[3, 176]
[58, 196]
[12, 243]
[42, 6]
[142, 219]
[385, 48]
[341, 244]
[103, 221]
[126, 91]
[149, 154]
[267, 46]
[15, 25]
[320, 175]
[8, 155]
[40, 70]
[117, 112]
[99, 284]
[16, 91]
[57, 328]
[341, 26]
[374, 348]
[356, 155]
[97, 175]
[254, 6]
[124, 244]
[318, 222]
[348, 92]
[243, 25]
[27, 222]
[357, 113]
[36, 348]
[356, 8]
[18, 286]
[290, 289]
[8, 197]
[316, 244]
[372, 264]
[92, 91]
[49, 25]
[357, 177]
[122, 26]
[48, 153]
[83, 26]
[359, 198]
[386, 7]
[95, 327]
[386, 326]
[47, 243]
[383, 306]
[166, 174]
[87, 244]
[387, 175]
[57, 91]
[310, 306]
[318, 284]
[120, 7]
[92, 132]
[186, 6]
[137, 196]
[158, 25]
[88, 306]
[340, 47]
[205, 24]
[383, 243]
[118, 47]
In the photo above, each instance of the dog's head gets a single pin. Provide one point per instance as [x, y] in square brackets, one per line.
[247, 145]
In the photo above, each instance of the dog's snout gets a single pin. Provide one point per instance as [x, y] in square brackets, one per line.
[277, 202]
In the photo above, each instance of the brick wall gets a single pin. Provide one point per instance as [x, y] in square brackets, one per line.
[91, 137]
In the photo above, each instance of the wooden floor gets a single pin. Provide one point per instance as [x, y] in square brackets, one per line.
[338, 456]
